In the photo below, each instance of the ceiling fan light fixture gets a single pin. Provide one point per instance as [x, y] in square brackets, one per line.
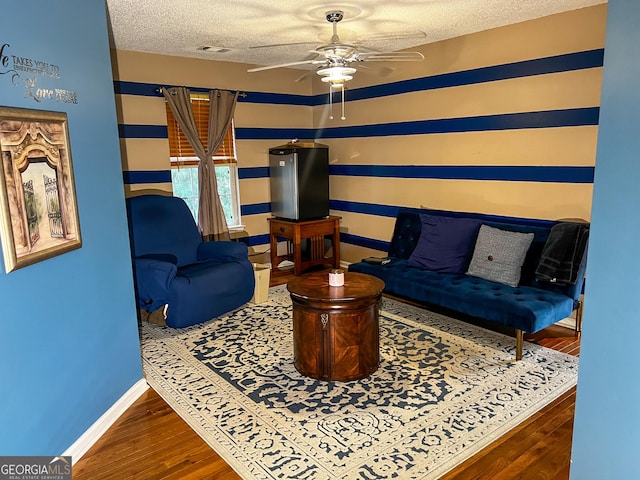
[336, 74]
[335, 81]
[335, 85]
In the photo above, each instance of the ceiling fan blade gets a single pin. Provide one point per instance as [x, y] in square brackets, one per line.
[380, 71]
[312, 56]
[305, 76]
[375, 37]
[282, 45]
[391, 56]
[281, 65]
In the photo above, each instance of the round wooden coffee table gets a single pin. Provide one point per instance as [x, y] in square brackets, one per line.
[335, 329]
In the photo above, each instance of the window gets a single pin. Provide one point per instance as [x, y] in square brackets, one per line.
[184, 163]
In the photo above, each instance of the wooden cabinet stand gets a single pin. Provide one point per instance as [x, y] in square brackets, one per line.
[335, 329]
[295, 232]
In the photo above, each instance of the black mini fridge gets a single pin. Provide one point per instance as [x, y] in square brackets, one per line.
[299, 181]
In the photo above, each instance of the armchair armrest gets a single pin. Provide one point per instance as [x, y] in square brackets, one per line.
[223, 251]
[153, 278]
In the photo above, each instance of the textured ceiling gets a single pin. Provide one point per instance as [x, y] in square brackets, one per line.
[182, 27]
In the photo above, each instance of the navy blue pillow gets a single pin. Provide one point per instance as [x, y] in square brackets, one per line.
[445, 244]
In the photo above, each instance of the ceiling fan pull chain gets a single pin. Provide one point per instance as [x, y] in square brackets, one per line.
[343, 117]
[330, 102]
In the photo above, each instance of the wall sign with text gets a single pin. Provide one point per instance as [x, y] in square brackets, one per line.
[28, 73]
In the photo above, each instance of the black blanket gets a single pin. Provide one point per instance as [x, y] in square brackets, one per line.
[563, 253]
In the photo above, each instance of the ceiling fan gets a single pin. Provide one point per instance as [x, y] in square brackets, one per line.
[335, 59]
[338, 55]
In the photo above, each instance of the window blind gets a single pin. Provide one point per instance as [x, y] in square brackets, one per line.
[180, 150]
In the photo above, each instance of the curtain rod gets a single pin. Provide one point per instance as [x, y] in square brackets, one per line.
[202, 90]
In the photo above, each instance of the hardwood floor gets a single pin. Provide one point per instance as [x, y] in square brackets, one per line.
[150, 441]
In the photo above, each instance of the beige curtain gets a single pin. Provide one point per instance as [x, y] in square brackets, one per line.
[211, 220]
[222, 104]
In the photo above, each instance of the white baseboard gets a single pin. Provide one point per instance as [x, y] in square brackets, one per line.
[95, 431]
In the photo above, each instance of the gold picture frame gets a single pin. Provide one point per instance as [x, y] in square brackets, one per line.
[38, 209]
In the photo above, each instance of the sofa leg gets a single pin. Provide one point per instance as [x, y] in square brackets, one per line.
[579, 319]
[519, 343]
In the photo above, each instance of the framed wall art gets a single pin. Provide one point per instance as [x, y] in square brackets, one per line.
[38, 209]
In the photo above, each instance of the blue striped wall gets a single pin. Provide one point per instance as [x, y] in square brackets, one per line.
[509, 121]
[570, 117]
[561, 174]
[542, 66]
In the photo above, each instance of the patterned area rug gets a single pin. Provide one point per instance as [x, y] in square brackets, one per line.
[444, 390]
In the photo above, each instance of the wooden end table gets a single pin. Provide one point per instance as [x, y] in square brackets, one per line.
[294, 232]
[335, 329]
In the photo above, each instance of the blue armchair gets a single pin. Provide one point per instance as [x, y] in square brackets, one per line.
[172, 265]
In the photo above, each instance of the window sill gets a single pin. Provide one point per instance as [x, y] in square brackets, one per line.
[237, 232]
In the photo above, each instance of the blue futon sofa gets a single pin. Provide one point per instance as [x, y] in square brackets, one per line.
[430, 264]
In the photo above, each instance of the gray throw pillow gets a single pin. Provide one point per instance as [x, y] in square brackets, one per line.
[499, 254]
